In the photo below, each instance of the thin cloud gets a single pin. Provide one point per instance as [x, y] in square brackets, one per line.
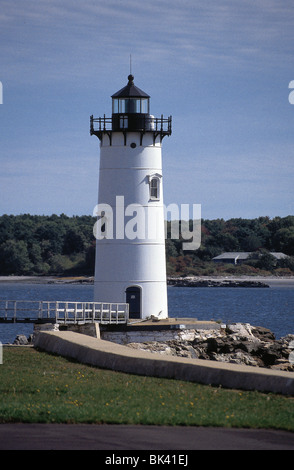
[66, 38]
[57, 60]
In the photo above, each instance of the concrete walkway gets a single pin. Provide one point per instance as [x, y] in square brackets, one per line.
[108, 355]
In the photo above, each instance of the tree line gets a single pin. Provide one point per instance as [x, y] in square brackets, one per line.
[46, 245]
[63, 245]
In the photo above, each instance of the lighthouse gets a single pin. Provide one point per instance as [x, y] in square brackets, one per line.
[130, 263]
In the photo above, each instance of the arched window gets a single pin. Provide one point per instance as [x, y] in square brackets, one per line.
[154, 185]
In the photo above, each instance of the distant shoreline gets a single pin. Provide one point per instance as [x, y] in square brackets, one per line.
[237, 281]
[197, 281]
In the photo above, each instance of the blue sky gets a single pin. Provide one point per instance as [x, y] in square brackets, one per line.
[220, 68]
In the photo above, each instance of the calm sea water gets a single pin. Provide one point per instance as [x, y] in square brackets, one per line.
[272, 308]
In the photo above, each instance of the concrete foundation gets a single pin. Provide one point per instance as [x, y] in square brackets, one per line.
[89, 329]
[156, 330]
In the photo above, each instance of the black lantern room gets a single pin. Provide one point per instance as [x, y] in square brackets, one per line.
[130, 108]
[130, 112]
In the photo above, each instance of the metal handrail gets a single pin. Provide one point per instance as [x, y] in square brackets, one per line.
[150, 123]
[63, 311]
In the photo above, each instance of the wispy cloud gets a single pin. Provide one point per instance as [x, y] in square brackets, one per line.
[57, 59]
[66, 38]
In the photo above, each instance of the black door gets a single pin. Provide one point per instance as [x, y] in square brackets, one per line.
[133, 298]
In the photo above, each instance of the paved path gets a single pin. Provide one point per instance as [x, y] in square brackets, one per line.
[132, 438]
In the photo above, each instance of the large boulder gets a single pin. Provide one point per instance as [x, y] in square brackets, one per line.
[264, 334]
[21, 340]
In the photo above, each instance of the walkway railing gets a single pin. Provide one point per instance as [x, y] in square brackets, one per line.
[64, 312]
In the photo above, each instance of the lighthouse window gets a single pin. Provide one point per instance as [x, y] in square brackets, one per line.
[123, 122]
[154, 188]
[130, 105]
[144, 106]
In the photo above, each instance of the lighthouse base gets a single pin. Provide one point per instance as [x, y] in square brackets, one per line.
[146, 299]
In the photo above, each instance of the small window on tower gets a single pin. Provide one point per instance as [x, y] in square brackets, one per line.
[154, 188]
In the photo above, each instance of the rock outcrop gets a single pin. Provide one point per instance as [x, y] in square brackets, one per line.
[195, 282]
[236, 343]
[21, 340]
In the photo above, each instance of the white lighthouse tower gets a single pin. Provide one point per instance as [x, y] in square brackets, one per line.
[130, 263]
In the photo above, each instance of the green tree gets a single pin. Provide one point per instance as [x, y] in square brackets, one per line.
[267, 262]
[170, 248]
[35, 254]
[74, 241]
[52, 232]
[283, 240]
[14, 258]
[252, 242]
[287, 263]
[6, 227]
[90, 259]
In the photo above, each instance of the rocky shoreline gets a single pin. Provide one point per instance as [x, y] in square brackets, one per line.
[187, 281]
[223, 282]
[236, 343]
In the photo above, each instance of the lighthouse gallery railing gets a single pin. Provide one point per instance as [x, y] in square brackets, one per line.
[151, 123]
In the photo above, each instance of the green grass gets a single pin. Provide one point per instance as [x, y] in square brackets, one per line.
[37, 387]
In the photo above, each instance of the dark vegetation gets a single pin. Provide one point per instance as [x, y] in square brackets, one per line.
[62, 245]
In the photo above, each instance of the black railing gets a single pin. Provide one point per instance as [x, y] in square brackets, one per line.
[131, 122]
[101, 124]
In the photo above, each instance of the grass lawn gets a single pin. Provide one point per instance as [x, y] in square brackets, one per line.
[37, 387]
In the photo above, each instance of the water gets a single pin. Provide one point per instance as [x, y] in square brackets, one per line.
[271, 307]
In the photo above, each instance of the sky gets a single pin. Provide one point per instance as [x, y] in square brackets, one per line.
[222, 69]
